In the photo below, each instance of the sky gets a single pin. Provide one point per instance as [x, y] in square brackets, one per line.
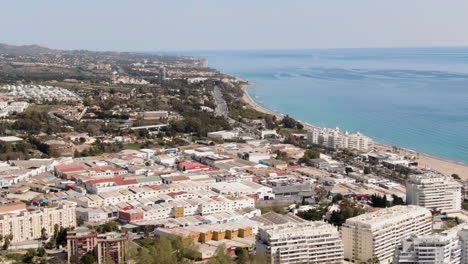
[173, 25]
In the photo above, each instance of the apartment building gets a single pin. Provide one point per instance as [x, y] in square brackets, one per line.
[294, 240]
[442, 248]
[376, 234]
[27, 225]
[434, 191]
[463, 236]
[105, 247]
[334, 138]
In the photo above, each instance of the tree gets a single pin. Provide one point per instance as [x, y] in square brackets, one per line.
[41, 252]
[397, 200]
[367, 170]
[221, 256]
[338, 197]
[313, 214]
[242, 255]
[456, 176]
[7, 241]
[280, 155]
[43, 234]
[321, 193]
[144, 256]
[379, 201]
[88, 258]
[310, 154]
[289, 122]
[347, 210]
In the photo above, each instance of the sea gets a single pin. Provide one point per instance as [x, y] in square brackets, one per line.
[415, 98]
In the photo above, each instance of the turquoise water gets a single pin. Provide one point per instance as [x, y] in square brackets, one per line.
[415, 98]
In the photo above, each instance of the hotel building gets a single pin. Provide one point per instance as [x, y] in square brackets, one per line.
[434, 191]
[376, 235]
[334, 138]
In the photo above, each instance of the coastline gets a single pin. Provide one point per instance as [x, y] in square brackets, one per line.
[446, 167]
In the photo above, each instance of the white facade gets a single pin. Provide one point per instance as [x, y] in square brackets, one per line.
[306, 242]
[377, 234]
[28, 225]
[434, 191]
[334, 138]
[463, 236]
[223, 134]
[431, 249]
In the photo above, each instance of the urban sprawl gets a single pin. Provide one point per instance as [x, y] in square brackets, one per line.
[141, 158]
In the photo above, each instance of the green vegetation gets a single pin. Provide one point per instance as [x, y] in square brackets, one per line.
[276, 209]
[310, 154]
[167, 250]
[289, 122]
[59, 238]
[348, 209]
[315, 214]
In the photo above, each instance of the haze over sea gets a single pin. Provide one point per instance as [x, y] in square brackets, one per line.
[415, 98]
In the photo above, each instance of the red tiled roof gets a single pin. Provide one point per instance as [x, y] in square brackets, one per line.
[190, 165]
[117, 180]
[69, 167]
[172, 194]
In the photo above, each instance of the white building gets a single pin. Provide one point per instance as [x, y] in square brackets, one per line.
[463, 236]
[434, 191]
[442, 248]
[377, 234]
[334, 138]
[223, 134]
[28, 225]
[300, 242]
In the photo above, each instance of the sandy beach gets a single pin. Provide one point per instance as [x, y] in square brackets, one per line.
[425, 161]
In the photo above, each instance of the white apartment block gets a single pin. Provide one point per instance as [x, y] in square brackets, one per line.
[196, 206]
[442, 248]
[28, 225]
[377, 234]
[303, 242]
[334, 138]
[463, 236]
[434, 191]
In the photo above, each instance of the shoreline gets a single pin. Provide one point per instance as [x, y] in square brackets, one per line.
[441, 165]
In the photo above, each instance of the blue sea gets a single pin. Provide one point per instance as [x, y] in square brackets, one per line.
[415, 98]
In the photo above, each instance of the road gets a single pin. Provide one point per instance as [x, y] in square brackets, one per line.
[221, 106]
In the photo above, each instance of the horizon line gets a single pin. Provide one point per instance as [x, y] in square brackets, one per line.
[299, 49]
[242, 49]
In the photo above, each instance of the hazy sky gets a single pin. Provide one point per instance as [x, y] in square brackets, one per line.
[153, 25]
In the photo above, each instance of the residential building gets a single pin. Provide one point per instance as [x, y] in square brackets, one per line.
[289, 239]
[463, 236]
[376, 234]
[334, 138]
[434, 191]
[28, 225]
[442, 248]
[105, 247]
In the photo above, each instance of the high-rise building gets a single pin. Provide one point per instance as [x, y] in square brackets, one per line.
[28, 224]
[434, 191]
[162, 73]
[334, 138]
[105, 247]
[444, 248]
[376, 234]
[463, 236]
[289, 239]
